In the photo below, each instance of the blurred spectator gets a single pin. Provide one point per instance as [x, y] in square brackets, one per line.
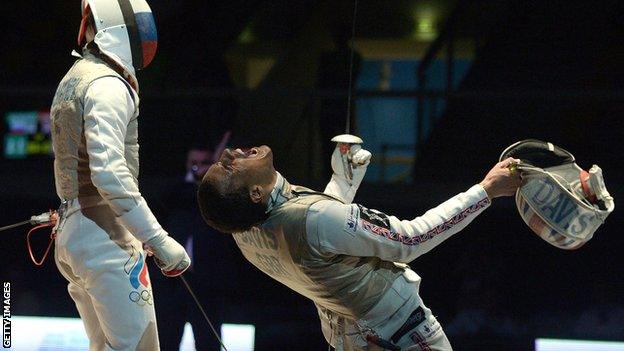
[211, 271]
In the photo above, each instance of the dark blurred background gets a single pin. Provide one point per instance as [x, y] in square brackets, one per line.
[440, 89]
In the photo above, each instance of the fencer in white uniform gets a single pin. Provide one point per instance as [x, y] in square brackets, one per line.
[350, 260]
[105, 222]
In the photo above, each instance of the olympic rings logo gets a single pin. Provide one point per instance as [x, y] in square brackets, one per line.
[142, 298]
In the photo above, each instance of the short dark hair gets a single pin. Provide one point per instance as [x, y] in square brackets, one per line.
[230, 211]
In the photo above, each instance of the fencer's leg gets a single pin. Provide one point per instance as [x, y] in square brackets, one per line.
[107, 263]
[427, 336]
[412, 327]
[97, 339]
[126, 313]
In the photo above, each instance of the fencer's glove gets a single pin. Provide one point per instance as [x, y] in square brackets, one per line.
[168, 254]
[349, 170]
[356, 157]
[361, 157]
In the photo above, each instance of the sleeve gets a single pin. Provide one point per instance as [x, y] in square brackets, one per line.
[339, 188]
[355, 230]
[108, 108]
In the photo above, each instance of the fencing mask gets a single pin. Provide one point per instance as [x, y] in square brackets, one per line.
[560, 202]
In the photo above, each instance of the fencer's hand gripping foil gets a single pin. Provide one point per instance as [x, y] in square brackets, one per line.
[346, 157]
[349, 160]
[168, 254]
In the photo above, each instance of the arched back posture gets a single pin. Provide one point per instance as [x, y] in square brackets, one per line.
[351, 261]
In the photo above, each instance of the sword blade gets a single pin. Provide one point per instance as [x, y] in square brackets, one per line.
[14, 225]
[201, 309]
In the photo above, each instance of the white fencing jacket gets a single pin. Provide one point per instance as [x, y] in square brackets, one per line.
[94, 119]
[345, 257]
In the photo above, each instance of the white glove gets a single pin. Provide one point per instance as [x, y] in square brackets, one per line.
[349, 170]
[361, 157]
[357, 159]
[168, 254]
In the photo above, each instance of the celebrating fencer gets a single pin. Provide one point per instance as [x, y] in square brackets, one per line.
[351, 261]
[104, 221]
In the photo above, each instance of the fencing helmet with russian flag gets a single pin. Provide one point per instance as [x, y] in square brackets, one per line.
[560, 202]
[125, 30]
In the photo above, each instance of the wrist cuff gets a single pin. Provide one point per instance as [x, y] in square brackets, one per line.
[479, 191]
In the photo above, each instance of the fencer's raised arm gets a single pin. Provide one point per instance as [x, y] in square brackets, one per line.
[353, 229]
[108, 108]
[338, 186]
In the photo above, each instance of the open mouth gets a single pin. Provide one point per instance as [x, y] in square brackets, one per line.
[252, 152]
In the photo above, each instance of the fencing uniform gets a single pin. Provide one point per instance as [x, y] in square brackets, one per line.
[104, 220]
[352, 262]
[95, 136]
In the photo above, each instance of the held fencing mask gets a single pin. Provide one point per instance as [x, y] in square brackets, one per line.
[560, 202]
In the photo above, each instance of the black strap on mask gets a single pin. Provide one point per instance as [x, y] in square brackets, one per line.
[133, 33]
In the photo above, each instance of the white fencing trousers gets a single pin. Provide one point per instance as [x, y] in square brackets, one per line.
[400, 317]
[428, 336]
[108, 279]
